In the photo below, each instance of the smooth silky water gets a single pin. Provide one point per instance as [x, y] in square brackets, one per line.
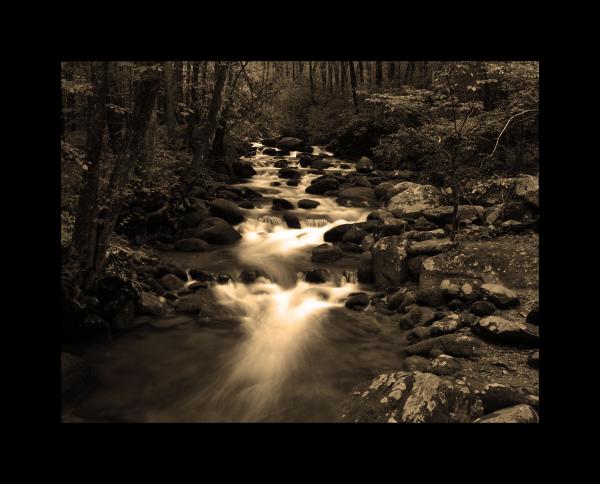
[295, 352]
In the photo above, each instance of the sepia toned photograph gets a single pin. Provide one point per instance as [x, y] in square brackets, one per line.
[317, 241]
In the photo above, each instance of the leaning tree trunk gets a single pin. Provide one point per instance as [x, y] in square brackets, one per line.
[145, 99]
[353, 84]
[83, 241]
[203, 138]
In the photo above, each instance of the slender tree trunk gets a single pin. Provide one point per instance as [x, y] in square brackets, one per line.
[170, 99]
[194, 117]
[361, 77]
[114, 117]
[330, 77]
[83, 241]
[378, 74]
[144, 103]
[311, 81]
[336, 70]
[353, 84]
[344, 81]
[204, 137]
[392, 73]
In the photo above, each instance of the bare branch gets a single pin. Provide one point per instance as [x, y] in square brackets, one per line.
[503, 130]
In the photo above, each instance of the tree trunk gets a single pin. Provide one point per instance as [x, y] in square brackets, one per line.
[361, 77]
[194, 117]
[378, 74]
[392, 73]
[170, 99]
[144, 103]
[343, 77]
[312, 83]
[203, 138]
[353, 84]
[83, 241]
[114, 117]
[330, 77]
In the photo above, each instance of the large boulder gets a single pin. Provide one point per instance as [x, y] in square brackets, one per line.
[414, 200]
[243, 169]
[516, 414]
[226, 210]
[336, 233]
[150, 304]
[412, 397]
[321, 186]
[365, 165]
[501, 330]
[289, 143]
[307, 204]
[389, 265]
[215, 230]
[289, 173]
[357, 197]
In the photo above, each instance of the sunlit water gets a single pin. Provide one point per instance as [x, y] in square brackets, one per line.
[295, 351]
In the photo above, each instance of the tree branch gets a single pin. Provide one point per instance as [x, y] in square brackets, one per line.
[503, 130]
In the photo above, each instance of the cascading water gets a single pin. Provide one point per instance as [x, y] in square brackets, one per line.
[297, 350]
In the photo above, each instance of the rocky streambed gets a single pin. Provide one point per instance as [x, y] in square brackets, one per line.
[320, 289]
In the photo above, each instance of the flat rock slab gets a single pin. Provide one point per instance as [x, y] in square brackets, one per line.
[516, 414]
[501, 330]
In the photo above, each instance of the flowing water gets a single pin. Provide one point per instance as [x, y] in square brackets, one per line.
[294, 351]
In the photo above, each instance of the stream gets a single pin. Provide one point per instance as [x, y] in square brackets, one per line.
[296, 350]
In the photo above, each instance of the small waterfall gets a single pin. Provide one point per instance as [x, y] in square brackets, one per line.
[315, 223]
[349, 277]
[270, 219]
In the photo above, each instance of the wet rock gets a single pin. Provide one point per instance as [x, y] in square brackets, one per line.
[326, 253]
[282, 204]
[171, 295]
[533, 359]
[482, 308]
[294, 182]
[365, 272]
[192, 219]
[350, 247]
[150, 304]
[269, 142]
[429, 247]
[365, 165]
[500, 295]
[336, 233]
[244, 170]
[533, 315]
[195, 285]
[217, 231]
[516, 414]
[222, 278]
[357, 197]
[357, 301]
[269, 152]
[202, 275]
[227, 211]
[389, 265]
[390, 226]
[321, 165]
[249, 276]
[171, 282]
[412, 201]
[501, 330]
[292, 221]
[76, 377]
[445, 365]
[419, 316]
[418, 334]
[321, 186]
[455, 304]
[411, 397]
[450, 344]
[318, 276]
[246, 204]
[354, 235]
[191, 245]
[307, 204]
[396, 299]
[289, 173]
[280, 164]
[289, 143]
[306, 161]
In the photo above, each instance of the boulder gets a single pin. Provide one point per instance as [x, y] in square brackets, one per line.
[421, 235]
[321, 186]
[217, 231]
[249, 276]
[293, 182]
[306, 203]
[419, 316]
[227, 211]
[429, 247]
[501, 330]
[414, 265]
[269, 152]
[336, 233]
[451, 344]
[289, 173]
[413, 201]
[192, 219]
[389, 265]
[357, 301]
[365, 165]
[289, 143]
[445, 365]
[411, 397]
[496, 396]
[243, 169]
[444, 214]
[326, 253]
[191, 245]
[446, 325]
[500, 295]
[321, 165]
[357, 197]
[516, 414]
[269, 142]
[282, 204]
[150, 304]
[318, 276]
[390, 226]
[482, 308]
[354, 235]
[292, 221]
[170, 268]
[171, 282]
